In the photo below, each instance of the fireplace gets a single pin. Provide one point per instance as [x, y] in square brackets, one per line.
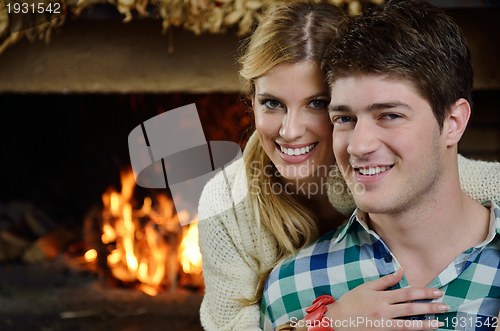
[66, 168]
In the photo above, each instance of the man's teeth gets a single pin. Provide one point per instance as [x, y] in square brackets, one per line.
[372, 170]
[297, 151]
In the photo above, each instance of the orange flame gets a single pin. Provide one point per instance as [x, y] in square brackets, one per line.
[190, 255]
[136, 242]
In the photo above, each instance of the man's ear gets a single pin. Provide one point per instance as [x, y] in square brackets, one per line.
[456, 121]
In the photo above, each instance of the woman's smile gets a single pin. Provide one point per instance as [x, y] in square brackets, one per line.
[291, 118]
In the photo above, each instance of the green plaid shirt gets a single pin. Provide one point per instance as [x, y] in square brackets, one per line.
[354, 254]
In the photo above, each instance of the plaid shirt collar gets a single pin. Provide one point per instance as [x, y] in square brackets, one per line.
[454, 269]
[360, 217]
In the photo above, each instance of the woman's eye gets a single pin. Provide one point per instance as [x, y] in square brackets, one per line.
[318, 103]
[272, 104]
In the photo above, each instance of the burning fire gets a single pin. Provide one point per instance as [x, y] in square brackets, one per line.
[142, 243]
[190, 252]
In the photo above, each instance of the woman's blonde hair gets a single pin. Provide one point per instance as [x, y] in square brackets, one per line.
[292, 33]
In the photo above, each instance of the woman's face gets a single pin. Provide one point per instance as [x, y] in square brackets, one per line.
[292, 121]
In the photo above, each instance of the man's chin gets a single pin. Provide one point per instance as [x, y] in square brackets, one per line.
[370, 206]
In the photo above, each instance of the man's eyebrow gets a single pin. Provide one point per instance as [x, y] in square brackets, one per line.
[387, 105]
[375, 106]
[338, 108]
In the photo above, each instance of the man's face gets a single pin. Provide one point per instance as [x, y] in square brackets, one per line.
[387, 142]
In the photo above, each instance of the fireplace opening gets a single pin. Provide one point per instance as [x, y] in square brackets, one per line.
[67, 201]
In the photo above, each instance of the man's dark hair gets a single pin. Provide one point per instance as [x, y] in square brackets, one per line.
[409, 40]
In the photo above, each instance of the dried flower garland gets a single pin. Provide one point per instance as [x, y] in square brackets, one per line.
[198, 16]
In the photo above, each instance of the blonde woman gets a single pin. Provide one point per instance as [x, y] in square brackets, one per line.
[285, 191]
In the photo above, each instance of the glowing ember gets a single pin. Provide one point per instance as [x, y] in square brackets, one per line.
[148, 290]
[90, 255]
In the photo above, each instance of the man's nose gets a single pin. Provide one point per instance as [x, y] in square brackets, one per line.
[364, 139]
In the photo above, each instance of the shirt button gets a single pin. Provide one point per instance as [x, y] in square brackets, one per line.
[388, 258]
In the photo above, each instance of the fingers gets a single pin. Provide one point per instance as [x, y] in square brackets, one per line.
[412, 309]
[412, 294]
[401, 295]
[385, 282]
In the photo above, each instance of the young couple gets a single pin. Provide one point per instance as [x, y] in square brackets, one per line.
[400, 81]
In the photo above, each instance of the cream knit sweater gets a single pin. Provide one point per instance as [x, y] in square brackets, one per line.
[229, 241]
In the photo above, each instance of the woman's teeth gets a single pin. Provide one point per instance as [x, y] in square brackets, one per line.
[373, 170]
[297, 151]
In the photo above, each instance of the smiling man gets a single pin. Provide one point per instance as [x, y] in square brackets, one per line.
[401, 81]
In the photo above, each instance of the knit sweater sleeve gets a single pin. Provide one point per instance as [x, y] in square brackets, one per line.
[228, 243]
[338, 193]
[479, 179]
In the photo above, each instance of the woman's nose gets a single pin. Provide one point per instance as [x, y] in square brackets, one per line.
[293, 126]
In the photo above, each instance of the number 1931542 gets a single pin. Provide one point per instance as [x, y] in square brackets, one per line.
[473, 322]
[40, 8]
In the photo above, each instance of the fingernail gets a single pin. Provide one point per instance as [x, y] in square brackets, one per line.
[444, 308]
[398, 272]
[438, 293]
[441, 324]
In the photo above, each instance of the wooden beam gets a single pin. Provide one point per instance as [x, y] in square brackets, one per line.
[108, 56]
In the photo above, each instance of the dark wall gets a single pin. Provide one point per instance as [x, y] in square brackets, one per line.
[61, 152]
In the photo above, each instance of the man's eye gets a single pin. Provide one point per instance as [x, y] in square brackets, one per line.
[391, 116]
[342, 119]
[272, 104]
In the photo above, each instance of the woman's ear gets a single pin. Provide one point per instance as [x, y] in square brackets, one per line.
[456, 121]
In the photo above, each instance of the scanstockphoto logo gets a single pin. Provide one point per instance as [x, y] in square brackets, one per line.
[170, 150]
[27, 14]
